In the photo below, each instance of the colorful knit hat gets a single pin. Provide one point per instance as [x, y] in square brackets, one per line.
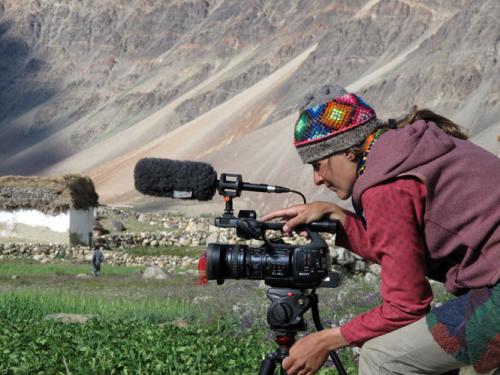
[333, 120]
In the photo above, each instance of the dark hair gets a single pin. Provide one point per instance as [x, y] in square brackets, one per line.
[446, 125]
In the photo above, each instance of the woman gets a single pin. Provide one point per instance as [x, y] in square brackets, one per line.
[427, 205]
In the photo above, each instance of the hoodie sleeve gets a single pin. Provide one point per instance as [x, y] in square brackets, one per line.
[393, 239]
[354, 237]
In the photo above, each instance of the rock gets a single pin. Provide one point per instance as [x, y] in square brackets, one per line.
[262, 285]
[370, 278]
[359, 266]
[184, 241]
[118, 226]
[83, 276]
[333, 252]
[69, 318]
[375, 269]
[191, 227]
[201, 299]
[181, 323]
[37, 258]
[213, 237]
[98, 229]
[170, 225]
[345, 256]
[154, 273]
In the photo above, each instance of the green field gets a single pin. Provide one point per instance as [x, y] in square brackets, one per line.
[134, 325]
[141, 326]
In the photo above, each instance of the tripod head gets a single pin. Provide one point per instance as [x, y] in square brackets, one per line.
[285, 317]
[287, 307]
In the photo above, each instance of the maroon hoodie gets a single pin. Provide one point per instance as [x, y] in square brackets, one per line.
[462, 215]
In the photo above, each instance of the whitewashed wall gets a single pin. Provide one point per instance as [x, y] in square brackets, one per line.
[80, 226]
[28, 225]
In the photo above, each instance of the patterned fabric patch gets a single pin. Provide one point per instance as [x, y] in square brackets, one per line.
[325, 120]
[468, 327]
[336, 115]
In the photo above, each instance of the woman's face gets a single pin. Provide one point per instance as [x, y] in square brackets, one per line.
[337, 172]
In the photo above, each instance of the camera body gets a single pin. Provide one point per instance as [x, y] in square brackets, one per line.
[278, 263]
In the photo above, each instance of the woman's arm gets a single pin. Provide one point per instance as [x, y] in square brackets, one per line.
[394, 217]
[351, 233]
[307, 213]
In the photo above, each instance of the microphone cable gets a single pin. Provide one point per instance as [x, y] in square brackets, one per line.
[299, 193]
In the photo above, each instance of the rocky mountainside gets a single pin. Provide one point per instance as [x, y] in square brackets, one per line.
[91, 87]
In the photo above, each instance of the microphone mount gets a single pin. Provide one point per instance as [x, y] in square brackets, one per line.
[231, 185]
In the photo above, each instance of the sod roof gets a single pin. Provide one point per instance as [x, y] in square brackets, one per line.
[47, 194]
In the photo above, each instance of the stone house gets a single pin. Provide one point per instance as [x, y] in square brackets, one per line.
[47, 209]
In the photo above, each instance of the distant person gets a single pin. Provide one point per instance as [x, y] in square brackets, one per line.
[97, 259]
[426, 206]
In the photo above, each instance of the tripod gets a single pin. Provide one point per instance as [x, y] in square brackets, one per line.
[285, 318]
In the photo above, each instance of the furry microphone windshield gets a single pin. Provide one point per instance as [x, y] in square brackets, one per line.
[175, 179]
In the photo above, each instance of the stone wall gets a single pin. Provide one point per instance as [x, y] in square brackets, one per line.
[172, 231]
[44, 253]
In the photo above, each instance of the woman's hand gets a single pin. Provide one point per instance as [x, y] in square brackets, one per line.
[309, 353]
[306, 213]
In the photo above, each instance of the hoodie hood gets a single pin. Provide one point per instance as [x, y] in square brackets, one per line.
[460, 231]
[400, 151]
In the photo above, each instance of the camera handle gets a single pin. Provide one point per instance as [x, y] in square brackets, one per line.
[285, 317]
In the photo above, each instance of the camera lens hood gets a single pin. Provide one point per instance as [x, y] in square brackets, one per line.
[215, 258]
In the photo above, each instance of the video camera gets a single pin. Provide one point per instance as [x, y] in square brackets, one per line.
[278, 263]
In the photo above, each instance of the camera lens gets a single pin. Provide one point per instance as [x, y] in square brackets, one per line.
[281, 267]
[225, 261]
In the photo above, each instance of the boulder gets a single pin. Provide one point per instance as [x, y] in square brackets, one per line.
[370, 278]
[359, 266]
[345, 257]
[69, 318]
[83, 276]
[185, 241]
[98, 229]
[154, 273]
[118, 226]
[375, 269]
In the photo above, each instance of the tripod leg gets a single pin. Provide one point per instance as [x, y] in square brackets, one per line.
[319, 327]
[268, 364]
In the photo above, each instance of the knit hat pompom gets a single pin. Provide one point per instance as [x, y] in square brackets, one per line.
[332, 120]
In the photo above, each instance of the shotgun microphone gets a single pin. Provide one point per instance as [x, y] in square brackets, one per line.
[189, 180]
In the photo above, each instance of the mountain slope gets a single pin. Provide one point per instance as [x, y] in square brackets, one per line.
[92, 87]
